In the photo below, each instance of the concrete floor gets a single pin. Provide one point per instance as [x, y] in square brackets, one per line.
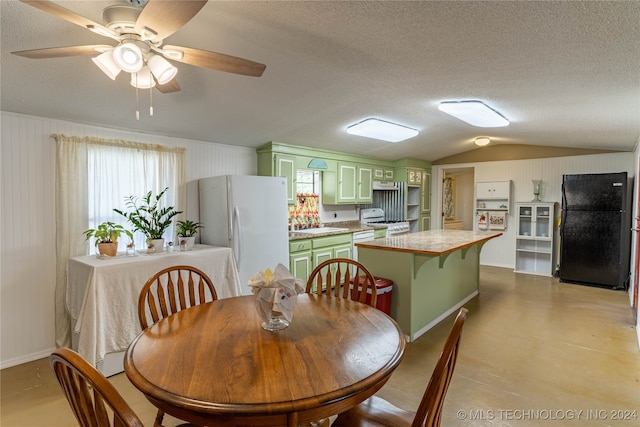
[534, 352]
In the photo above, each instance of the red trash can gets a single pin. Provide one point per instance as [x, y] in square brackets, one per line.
[383, 293]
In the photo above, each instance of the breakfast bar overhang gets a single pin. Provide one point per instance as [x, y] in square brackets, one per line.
[434, 273]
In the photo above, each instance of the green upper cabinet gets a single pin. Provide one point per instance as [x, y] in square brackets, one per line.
[382, 173]
[365, 184]
[425, 189]
[347, 184]
[286, 167]
[352, 183]
[346, 178]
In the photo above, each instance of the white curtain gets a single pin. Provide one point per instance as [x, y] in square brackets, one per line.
[93, 176]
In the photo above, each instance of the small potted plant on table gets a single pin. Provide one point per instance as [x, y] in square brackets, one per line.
[146, 216]
[186, 233]
[106, 235]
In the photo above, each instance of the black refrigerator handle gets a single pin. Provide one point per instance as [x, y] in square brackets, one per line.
[563, 215]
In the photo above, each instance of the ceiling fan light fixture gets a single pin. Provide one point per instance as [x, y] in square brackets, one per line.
[105, 62]
[382, 130]
[476, 113]
[482, 141]
[128, 56]
[162, 69]
[143, 79]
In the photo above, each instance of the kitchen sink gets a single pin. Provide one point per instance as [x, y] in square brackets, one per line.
[321, 230]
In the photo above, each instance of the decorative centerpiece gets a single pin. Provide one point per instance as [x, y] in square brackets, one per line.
[537, 189]
[275, 293]
[186, 233]
[106, 235]
[148, 217]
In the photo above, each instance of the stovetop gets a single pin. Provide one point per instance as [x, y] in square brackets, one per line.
[385, 222]
[376, 216]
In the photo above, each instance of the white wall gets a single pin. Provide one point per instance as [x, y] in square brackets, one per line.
[500, 252]
[27, 220]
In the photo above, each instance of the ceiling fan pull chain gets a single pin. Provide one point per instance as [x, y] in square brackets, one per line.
[151, 102]
[137, 102]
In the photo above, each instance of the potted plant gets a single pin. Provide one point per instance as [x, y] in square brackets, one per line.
[106, 235]
[146, 216]
[186, 233]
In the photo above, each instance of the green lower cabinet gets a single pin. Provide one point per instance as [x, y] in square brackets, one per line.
[425, 222]
[306, 254]
[328, 247]
[300, 264]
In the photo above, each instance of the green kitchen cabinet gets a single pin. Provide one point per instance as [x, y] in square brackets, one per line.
[286, 167]
[306, 254]
[382, 173]
[425, 190]
[300, 261]
[425, 222]
[336, 246]
[352, 183]
[329, 247]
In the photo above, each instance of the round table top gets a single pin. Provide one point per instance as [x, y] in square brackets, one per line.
[216, 360]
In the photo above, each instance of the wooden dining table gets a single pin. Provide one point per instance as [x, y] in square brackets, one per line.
[213, 364]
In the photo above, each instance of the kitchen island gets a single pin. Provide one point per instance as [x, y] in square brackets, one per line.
[434, 273]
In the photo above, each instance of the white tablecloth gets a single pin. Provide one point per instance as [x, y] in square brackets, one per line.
[102, 294]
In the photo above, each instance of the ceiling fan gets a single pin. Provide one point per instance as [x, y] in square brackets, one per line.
[140, 32]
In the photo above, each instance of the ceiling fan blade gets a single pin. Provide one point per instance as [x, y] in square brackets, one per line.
[166, 17]
[70, 16]
[172, 86]
[60, 52]
[217, 61]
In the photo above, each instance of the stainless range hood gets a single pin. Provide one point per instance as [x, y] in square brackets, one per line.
[385, 185]
[391, 197]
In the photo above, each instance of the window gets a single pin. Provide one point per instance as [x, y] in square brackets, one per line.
[117, 172]
[306, 181]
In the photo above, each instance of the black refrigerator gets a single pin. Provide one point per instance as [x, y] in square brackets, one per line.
[595, 230]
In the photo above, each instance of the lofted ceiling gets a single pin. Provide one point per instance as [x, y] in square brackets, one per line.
[565, 73]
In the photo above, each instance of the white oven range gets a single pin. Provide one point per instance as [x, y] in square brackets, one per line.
[376, 216]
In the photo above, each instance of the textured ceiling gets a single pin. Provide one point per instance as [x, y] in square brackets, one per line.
[565, 73]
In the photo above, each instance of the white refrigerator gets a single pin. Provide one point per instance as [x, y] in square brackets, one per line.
[249, 215]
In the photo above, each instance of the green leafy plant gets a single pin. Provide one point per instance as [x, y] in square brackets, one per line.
[188, 228]
[107, 232]
[146, 216]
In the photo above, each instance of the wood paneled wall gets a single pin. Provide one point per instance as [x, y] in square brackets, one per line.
[27, 220]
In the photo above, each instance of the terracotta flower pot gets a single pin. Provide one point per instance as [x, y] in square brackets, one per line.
[109, 249]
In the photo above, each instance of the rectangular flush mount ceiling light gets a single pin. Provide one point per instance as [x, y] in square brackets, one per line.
[476, 113]
[381, 129]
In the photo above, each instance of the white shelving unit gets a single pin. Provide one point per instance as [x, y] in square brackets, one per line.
[493, 196]
[535, 234]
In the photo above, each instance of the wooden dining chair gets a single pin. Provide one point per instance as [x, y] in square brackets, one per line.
[377, 412]
[334, 277]
[171, 290]
[94, 400]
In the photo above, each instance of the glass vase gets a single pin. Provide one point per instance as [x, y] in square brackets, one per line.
[537, 189]
[276, 323]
